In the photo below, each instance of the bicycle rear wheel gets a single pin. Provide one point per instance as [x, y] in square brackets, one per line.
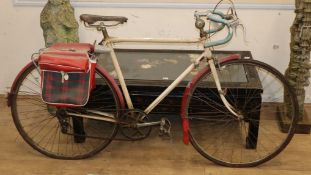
[47, 128]
[261, 94]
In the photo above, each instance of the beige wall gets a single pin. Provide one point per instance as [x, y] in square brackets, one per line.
[20, 34]
[196, 1]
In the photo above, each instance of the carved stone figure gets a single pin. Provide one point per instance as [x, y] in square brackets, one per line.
[58, 22]
[298, 72]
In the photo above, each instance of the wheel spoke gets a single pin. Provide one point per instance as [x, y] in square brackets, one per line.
[252, 140]
[45, 128]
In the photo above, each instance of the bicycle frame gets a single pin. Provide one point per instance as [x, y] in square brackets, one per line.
[109, 42]
[64, 133]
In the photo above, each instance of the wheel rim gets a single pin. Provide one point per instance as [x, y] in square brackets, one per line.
[40, 127]
[220, 137]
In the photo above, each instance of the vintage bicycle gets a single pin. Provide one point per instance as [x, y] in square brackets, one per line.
[236, 127]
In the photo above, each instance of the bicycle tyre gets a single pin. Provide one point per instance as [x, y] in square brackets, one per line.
[260, 135]
[40, 127]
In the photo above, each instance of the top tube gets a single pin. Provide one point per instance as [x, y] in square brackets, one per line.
[214, 16]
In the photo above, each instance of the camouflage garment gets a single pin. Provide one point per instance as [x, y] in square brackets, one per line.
[58, 22]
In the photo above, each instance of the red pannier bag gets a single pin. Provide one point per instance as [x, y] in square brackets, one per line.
[67, 74]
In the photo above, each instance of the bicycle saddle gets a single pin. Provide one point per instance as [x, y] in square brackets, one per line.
[91, 19]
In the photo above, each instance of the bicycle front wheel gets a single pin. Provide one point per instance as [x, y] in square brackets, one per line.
[261, 95]
[50, 131]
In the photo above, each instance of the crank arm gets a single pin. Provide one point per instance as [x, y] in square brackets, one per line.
[141, 125]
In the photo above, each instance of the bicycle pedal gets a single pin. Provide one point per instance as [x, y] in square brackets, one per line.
[165, 129]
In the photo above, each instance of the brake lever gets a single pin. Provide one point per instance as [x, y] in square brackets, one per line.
[235, 24]
[244, 33]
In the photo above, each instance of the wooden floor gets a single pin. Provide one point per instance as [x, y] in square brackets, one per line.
[151, 156]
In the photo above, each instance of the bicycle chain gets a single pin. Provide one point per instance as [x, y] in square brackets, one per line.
[120, 123]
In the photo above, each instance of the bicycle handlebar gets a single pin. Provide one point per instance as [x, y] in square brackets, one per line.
[219, 28]
[215, 17]
[223, 20]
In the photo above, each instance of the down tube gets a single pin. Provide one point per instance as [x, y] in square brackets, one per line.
[171, 87]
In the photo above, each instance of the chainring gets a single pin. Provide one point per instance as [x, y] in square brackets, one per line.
[129, 129]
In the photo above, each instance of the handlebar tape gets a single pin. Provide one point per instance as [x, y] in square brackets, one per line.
[219, 28]
[217, 17]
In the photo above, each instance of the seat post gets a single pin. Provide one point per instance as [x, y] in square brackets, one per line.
[105, 33]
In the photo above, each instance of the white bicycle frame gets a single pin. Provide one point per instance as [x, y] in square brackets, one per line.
[108, 47]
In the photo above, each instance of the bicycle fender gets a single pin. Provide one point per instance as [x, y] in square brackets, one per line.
[113, 84]
[188, 91]
[13, 87]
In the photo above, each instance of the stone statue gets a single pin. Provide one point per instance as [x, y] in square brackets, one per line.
[298, 72]
[58, 22]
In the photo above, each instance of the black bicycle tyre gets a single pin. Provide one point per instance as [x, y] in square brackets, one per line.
[17, 120]
[291, 130]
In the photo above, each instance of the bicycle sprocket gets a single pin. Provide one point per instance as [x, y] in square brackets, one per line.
[130, 130]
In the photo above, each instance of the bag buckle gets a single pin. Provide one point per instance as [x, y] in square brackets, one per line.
[65, 76]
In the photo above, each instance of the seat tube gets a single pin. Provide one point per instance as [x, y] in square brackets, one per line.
[120, 76]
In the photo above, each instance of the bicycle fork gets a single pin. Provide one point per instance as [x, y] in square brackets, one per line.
[212, 66]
